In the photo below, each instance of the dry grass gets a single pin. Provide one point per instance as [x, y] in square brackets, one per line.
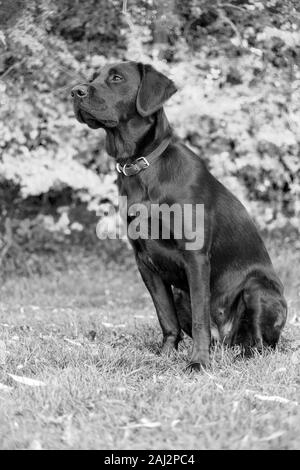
[115, 391]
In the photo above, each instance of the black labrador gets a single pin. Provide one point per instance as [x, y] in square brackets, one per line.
[226, 288]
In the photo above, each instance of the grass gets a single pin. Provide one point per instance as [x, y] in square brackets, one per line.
[92, 337]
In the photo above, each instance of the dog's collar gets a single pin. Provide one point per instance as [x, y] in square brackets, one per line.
[141, 163]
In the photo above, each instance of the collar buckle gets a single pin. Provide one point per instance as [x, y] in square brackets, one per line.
[122, 169]
[144, 160]
[141, 163]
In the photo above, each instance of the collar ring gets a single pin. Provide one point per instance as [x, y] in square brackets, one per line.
[124, 170]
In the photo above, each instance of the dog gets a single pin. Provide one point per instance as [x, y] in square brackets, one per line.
[226, 289]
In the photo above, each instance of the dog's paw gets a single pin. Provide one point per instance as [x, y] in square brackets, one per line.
[196, 366]
[168, 349]
[170, 345]
[249, 352]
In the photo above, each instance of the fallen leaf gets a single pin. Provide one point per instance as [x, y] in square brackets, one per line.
[174, 423]
[150, 424]
[245, 440]
[144, 423]
[35, 445]
[111, 325]
[274, 398]
[281, 369]
[219, 386]
[275, 435]
[71, 341]
[235, 406]
[27, 381]
[5, 388]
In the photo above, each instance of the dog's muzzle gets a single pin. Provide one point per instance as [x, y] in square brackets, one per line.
[80, 91]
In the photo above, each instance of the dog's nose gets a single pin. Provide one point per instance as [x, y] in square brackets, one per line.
[80, 90]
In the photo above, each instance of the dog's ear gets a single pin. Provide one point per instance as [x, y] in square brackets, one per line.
[155, 89]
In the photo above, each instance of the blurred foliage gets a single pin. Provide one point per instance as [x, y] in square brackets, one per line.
[236, 64]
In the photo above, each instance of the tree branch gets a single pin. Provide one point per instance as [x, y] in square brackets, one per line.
[127, 16]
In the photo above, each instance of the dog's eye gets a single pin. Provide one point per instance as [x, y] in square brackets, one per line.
[115, 78]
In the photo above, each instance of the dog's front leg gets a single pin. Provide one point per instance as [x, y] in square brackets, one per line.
[163, 300]
[198, 274]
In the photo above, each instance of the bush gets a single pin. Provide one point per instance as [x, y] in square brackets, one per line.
[238, 61]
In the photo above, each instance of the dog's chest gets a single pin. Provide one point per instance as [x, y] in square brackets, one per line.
[160, 254]
[164, 261]
[132, 190]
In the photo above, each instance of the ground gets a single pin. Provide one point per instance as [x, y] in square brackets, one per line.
[91, 336]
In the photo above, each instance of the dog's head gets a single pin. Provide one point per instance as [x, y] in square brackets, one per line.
[119, 92]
